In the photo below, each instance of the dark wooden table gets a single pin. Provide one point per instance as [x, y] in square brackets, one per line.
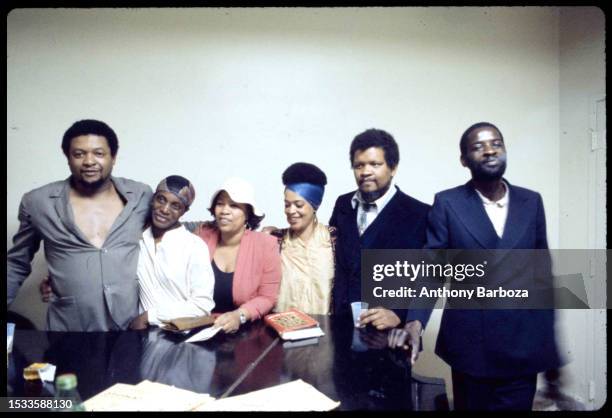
[348, 365]
[352, 366]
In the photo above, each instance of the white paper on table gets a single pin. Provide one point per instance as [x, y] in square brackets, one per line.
[47, 373]
[303, 333]
[146, 396]
[293, 396]
[171, 398]
[205, 334]
[119, 397]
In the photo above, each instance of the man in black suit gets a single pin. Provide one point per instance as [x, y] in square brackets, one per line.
[494, 354]
[376, 216]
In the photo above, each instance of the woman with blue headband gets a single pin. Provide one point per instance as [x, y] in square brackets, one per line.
[306, 246]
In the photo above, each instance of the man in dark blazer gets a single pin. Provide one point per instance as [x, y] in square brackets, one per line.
[376, 216]
[494, 354]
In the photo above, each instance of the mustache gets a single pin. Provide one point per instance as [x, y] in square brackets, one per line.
[501, 159]
[363, 180]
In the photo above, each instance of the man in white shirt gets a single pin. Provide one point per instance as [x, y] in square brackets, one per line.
[174, 272]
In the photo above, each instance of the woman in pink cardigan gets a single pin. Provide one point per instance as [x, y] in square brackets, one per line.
[246, 263]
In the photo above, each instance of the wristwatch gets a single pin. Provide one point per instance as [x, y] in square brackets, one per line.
[242, 317]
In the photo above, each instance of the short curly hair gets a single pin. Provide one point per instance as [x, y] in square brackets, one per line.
[376, 138]
[463, 142]
[90, 127]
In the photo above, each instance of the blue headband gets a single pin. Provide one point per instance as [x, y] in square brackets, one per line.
[313, 193]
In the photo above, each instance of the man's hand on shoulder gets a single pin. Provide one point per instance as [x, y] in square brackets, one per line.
[269, 229]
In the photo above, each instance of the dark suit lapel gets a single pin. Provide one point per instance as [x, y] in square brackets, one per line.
[373, 231]
[470, 211]
[348, 225]
[383, 227]
[517, 220]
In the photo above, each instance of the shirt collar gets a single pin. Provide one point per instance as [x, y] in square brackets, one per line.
[380, 202]
[147, 235]
[63, 187]
[503, 202]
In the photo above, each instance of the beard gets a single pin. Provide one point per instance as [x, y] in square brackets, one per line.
[376, 194]
[483, 173]
[89, 186]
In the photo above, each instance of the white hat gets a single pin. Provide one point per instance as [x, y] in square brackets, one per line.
[240, 191]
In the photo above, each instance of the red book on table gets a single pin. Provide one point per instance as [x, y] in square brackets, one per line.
[289, 321]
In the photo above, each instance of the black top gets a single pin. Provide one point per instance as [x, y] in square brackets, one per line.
[224, 302]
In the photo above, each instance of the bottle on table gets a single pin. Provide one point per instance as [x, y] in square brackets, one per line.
[67, 396]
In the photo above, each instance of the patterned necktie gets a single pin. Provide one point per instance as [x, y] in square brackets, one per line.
[363, 218]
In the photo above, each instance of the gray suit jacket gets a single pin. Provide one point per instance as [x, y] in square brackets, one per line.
[96, 288]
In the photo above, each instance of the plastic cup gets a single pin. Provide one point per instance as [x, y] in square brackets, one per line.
[357, 344]
[356, 308]
[10, 331]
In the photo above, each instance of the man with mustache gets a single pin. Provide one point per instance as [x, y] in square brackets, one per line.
[494, 354]
[90, 224]
[376, 216]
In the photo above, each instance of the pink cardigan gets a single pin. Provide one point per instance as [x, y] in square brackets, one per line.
[258, 270]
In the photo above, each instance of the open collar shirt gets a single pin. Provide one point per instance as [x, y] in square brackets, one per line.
[497, 210]
[175, 276]
[94, 289]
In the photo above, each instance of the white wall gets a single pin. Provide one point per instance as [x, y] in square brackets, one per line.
[208, 93]
[582, 82]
